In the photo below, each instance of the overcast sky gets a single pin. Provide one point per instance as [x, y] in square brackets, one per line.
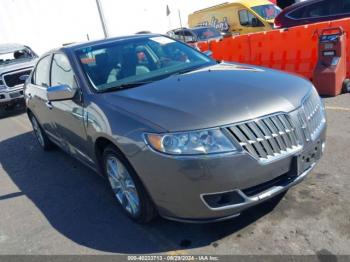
[46, 24]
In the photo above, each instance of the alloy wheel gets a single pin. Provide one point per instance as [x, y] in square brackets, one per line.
[123, 186]
[37, 131]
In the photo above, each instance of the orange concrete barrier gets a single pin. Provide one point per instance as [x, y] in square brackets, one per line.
[203, 46]
[294, 50]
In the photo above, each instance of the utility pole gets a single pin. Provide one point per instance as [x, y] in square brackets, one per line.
[181, 25]
[102, 18]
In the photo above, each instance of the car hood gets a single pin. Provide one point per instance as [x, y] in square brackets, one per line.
[17, 66]
[218, 95]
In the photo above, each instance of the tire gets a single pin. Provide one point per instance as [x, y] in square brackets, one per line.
[40, 134]
[346, 86]
[127, 188]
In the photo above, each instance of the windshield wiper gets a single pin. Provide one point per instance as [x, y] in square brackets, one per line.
[124, 86]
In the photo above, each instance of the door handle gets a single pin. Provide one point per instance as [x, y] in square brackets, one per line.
[49, 105]
[78, 116]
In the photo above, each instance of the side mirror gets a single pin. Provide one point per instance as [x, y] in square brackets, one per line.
[208, 53]
[60, 92]
[23, 77]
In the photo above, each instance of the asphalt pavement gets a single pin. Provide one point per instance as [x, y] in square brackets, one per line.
[52, 204]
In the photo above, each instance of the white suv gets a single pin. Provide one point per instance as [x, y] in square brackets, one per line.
[16, 63]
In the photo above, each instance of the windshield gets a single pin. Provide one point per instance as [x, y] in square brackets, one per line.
[206, 33]
[126, 62]
[17, 56]
[267, 12]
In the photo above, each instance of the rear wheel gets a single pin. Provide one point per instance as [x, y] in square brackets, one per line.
[40, 135]
[127, 187]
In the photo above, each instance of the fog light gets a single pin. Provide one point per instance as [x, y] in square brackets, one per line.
[223, 199]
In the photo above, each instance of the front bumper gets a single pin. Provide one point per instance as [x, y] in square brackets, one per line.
[178, 185]
[11, 96]
[250, 201]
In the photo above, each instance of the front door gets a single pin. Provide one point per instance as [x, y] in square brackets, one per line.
[68, 115]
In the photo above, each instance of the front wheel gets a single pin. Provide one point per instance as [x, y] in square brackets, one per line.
[127, 187]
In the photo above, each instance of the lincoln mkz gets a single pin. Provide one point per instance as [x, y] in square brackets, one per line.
[175, 132]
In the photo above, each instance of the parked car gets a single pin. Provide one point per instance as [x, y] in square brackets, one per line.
[195, 35]
[237, 18]
[312, 11]
[16, 63]
[175, 132]
[285, 3]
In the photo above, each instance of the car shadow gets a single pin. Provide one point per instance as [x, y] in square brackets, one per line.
[78, 204]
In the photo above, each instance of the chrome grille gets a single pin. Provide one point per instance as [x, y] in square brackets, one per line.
[311, 116]
[268, 138]
[2, 86]
[12, 80]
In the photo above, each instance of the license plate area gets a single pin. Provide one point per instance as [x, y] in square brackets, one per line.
[307, 158]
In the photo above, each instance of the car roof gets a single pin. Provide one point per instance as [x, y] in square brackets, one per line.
[8, 48]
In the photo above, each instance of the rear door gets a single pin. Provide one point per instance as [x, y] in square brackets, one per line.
[36, 95]
[68, 115]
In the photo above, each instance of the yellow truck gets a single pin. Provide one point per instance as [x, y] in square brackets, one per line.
[238, 17]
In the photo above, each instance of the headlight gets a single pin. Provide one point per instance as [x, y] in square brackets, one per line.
[211, 141]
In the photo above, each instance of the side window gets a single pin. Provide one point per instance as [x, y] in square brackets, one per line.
[319, 9]
[61, 71]
[246, 18]
[297, 14]
[41, 74]
[183, 33]
[346, 6]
